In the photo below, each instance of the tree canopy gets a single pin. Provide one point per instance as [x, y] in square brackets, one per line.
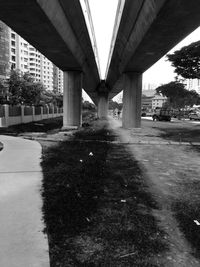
[22, 89]
[113, 105]
[187, 61]
[178, 96]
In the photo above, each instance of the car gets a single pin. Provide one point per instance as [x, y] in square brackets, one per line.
[194, 116]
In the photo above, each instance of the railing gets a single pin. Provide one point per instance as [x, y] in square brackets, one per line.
[12, 115]
[37, 110]
[14, 111]
[2, 111]
[28, 111]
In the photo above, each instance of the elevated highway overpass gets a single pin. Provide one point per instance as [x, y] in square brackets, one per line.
[57, 29]
[144, 31]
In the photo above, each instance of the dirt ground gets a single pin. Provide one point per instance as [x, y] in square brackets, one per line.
[172, 170]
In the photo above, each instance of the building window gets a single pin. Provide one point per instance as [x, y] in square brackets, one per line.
[13, 66]
[13, 35]
[13, 58]
[13, 43]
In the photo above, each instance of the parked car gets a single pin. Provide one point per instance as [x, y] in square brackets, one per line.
[194, 116]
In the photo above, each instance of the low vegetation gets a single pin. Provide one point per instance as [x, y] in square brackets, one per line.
[97, 208]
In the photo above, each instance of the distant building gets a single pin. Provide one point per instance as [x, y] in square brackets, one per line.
[146, 102]
[57, 79]
[149, 86]
[158, 101]
[4, 50]
[193, 84]
[148, 93]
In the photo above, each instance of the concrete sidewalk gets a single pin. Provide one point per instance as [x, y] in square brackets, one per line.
[22, 242]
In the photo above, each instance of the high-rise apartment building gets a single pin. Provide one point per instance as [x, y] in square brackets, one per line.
[193, 84]
[57, 79]
[4, 50]
[26, 58]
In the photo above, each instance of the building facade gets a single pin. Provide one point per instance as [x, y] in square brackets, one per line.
[146, 103]
[158, 101]
[57, 79]
[4, 50]
[193, 84]
[17, 53]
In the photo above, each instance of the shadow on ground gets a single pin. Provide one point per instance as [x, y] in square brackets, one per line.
[97, 208]
[180, 134]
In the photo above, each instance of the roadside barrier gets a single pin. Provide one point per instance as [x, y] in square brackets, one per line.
[13, 115]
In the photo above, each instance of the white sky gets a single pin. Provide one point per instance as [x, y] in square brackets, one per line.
[162, 71]
[103, 16]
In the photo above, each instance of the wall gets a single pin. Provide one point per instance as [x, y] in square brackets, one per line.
[33, 114]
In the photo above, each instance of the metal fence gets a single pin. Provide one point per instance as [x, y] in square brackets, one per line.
[50, 110]
[28, 111]
[14, 111]
[45, 110]
[2, 111]
[37, 110]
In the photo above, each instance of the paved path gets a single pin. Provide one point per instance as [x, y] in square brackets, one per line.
[22, 242]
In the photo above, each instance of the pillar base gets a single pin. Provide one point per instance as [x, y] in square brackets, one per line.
[69, 128]
[136, 130]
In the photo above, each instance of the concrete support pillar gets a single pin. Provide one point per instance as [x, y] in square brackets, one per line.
[102, 109]
[33, 113]
[22, 114]
[72, 99]
[132, 94]
[6, 114]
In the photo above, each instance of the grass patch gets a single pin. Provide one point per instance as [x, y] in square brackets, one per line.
[186, 213]
[183, 134]
[97, 208]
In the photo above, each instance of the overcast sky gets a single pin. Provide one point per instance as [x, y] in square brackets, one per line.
[103, 16]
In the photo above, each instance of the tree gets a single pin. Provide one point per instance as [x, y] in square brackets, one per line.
[113, 105]
[3, 91]
[30, 91]
[88, 105]
[187, 61]
[23, 89]
[14, 87]
[52, 97]
[178, 96]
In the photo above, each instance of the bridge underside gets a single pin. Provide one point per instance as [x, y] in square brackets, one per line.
[147, 30]
[58, 30]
